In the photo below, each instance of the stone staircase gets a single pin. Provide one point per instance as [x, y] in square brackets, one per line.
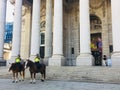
[75, 73]
[85, 73]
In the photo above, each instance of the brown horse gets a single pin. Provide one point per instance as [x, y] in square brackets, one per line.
[17, 68]
[34, 69]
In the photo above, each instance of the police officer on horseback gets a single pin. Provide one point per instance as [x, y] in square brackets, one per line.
[18, 61]
[37, 61]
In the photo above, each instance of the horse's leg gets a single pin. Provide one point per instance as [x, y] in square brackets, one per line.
[23, 75]
[42, 76]
[44, 72]
[13, 78]
[31, 74]
[34, 81]
[20, 76]
[16, 77]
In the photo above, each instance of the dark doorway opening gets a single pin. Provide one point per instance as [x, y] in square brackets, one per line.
[42, 52]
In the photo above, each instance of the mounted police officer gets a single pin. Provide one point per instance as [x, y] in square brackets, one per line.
[18, 61]
[37, 61]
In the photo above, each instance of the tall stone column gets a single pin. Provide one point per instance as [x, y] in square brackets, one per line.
[35, 33]
[2, 26]
[16, 41]
[85, 57]
[115, 32]
[48, 33]
[57, 58]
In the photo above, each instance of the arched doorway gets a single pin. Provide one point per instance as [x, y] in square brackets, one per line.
[96, 39]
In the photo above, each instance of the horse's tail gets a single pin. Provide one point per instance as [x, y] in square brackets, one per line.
[11, 67]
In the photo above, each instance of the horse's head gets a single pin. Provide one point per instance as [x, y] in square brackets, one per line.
[28, 63]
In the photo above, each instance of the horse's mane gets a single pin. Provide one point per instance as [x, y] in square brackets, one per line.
[30, 61]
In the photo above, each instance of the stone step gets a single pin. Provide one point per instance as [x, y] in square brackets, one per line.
[85, 73]
[75, 73]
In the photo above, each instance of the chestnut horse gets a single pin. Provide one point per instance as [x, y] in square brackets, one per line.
[34, 69]
[17, 68]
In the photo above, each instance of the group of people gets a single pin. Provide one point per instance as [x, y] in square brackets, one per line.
[36, 60]
[96, 45]
[96, 48]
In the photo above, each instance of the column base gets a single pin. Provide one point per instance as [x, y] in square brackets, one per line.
[56, 60]
[84, 59]
[115, 59]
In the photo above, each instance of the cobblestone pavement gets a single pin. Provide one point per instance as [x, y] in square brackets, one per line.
[6, 84]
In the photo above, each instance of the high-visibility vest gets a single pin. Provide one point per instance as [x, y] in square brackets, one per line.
[93, 46]
[17, 60]
[36, 59]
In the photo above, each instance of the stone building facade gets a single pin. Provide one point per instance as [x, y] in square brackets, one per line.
[62, 31]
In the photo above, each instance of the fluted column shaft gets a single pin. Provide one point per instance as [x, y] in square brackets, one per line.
[84, 27]
[85, 57]
[16, 41]
[115, 31]
[57, 58]
[58, 28]
[35, 33]
[48, 33]
[2, 25]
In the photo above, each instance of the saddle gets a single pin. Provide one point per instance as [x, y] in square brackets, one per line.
[20, 66]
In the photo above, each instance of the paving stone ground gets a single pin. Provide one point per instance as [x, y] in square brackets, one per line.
[6, 84]
[62, 83]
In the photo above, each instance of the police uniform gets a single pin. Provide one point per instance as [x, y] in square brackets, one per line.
[37, 62]
[17, 61]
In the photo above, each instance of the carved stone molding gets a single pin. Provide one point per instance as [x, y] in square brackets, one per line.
[95, 4]
[24, 10]
[12, 1]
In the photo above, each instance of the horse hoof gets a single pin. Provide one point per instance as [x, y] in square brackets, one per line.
[16, 81]
[42, 80]
[34, 82]
[13, 81]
